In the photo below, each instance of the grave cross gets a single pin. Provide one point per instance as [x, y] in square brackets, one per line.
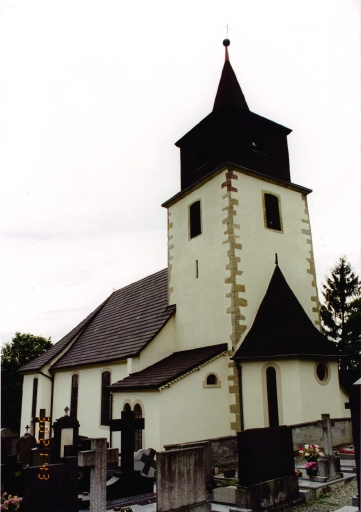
[97, 459]
[149, 461]
[326, 424]
[127, 425]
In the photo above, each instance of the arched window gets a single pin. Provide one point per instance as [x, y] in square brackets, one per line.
[105, 408]
[74, 396]
[138, 440]
[211, 379]
[272, 211]
[272, 397]
[127, 407]
[35, 399]
[195, 225]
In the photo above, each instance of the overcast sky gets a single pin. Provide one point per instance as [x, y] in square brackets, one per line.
[94, 95]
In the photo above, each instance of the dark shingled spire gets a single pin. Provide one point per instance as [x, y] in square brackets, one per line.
[229, 90]
[282, 328]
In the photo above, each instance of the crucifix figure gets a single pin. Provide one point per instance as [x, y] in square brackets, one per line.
[97, 459]
[128, 424]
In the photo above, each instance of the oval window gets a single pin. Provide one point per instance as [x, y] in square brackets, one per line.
[322, 371]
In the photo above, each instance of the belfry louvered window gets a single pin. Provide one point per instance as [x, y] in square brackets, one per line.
[195, 225]
[273, 219]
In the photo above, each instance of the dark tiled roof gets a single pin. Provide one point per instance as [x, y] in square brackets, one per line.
[229, 90]
[127, 322]
[168, 369]
[282, 328]
[37, 363]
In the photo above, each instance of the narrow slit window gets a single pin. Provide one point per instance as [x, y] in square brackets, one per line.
[197, 269]
[105, 408]
[195, 226]
[273, 218]
[35, 398]
[74, 396]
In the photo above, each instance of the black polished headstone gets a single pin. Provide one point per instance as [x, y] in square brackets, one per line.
[264, 454]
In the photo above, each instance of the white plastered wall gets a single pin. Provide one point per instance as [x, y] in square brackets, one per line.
[301, 396]
[43, 398]
[201, 302]
[159, 348]
[259, 245]
[89, 396]
[184, 412]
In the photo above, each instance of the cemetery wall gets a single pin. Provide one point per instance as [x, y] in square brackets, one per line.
[161, 347]
[203, 297]
[312, 433]
[89, 396]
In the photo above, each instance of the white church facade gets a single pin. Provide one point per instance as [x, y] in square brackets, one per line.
[227, 337]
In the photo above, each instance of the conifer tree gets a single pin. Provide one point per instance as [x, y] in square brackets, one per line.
[341, 317]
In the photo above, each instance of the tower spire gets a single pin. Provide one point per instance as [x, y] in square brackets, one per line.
[229, 90]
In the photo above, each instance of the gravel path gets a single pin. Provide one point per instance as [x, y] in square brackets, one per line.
[336, 499]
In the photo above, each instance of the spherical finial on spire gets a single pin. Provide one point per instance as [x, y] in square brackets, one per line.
[226, 42]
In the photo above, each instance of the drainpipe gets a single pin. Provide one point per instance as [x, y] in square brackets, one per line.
[240, 387]
[52, 393]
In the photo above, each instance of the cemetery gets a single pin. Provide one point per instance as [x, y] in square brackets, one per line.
[64, 471]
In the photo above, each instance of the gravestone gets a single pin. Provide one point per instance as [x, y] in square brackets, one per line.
[41, 454]
[97, 459]
[127, 482]
[57, 493]
[144, 462]
[66, 433]
[8, 442]
[328, 467]
[181, 480]
[24, 446]
[266, 470]
[11, 475]
[354, 406]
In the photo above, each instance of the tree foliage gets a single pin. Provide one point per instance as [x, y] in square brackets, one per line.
[21, 350]
[341, 317]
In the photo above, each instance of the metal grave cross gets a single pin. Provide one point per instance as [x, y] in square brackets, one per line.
[127, 425]
[43, 444]
[97, 459]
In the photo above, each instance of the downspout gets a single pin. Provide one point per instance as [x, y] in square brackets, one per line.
[52, 392]
[240, 387]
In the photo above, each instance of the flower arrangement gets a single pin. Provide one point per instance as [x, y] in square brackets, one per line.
[310, 452]
[9, 502]
[349, 451]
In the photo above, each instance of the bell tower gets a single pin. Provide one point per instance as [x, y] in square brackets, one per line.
[232, 133]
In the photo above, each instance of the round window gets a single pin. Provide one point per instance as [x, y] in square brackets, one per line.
[322, 371]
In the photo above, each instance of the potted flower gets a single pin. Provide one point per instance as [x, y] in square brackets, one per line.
[9, 502]
[310, 452]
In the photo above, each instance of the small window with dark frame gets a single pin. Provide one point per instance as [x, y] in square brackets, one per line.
[211, 379]
[138, 436]
[273, 219]
[195, 226]
[35, 398]
[202, 155]
[259, 143]
[74, 396]
[106, 399]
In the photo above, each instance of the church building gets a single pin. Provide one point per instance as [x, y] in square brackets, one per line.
[228, 336]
